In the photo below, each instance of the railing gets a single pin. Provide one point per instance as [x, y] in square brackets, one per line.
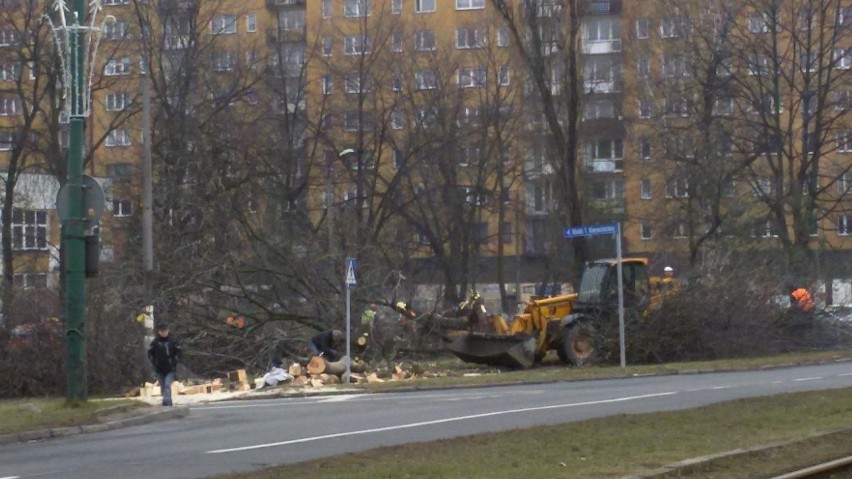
[285, 3]
[605, 165]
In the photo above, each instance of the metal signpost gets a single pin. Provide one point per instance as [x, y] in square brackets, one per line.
[607, 229]
[350, 283]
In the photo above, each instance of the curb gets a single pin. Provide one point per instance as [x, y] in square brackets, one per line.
[39, 435]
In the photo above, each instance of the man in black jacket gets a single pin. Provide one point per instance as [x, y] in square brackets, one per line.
[327, 343]
[164, 353]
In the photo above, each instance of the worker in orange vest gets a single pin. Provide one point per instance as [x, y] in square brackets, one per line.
[801, 299]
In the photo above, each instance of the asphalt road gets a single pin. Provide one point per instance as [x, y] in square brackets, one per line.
[243, 435]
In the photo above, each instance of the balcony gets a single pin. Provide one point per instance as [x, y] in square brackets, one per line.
[603, 85]
[177, 42]
[177, 6]
[601, 47]
[285, 3]
[277, 35]
[603, 7]
[605, 165]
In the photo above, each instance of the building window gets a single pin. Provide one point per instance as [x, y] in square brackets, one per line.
[357, 45]
[643, 67]
[427, 118]
[424, 6]
[326, 8]
[678, 105]
[467, 38]
[396, 7]
[122, 208]
[29, 229]
[291, 20]
[426, 80]
[645, 189]
[398, 158]
[115, 30]
[843, 58]
[9, 106]
[844, 183]
[599, 29]
[223, 25]
[31, 280]
[758, 64]
[355, 84]
[674, 26]
[118, 137]
[503, 76]
[611, 190]
[502, 37]
[469, 4]
[326, 46]
[645, 108]
[598, 109]
[117, 66]
[675, 66]
[7, 140]
[116, 101]
[762, 22]
[472, 77]
[645, 148]
[645, 230]
[397, 120]
[677, 188]
[224, 61]
[723, 106]
[8, 37]
[469, 155]
[251, 22]
[357, 8]
[844, 141]
[396, 81]
[120, 171]
[396, 42]
[844, 225]
[10, 72]
[327, 85]
[424, 40]
[642, 28]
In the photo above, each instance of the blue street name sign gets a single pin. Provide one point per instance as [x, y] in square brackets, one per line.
[591, 230]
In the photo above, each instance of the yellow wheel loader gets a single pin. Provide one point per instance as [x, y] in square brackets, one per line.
[576, 325]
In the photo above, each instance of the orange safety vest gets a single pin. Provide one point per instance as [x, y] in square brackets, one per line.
[803, 299]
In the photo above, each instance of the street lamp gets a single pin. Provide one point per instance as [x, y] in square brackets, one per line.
[77, 45]
[329, 196]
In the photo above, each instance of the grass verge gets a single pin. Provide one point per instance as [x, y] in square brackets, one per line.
[618, 446]
[48, 413]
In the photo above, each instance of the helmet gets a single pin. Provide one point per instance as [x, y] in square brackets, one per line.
[668, 269]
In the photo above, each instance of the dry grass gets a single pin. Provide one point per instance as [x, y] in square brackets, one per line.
[44, 413]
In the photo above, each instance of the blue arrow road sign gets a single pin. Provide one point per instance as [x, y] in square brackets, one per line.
[591, 230]
[350, 272]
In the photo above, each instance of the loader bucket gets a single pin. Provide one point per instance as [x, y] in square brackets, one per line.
[516, 351]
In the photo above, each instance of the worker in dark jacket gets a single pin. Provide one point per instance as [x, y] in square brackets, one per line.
[327, 343]
[164, 353]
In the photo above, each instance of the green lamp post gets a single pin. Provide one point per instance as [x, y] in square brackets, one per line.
[77, 43]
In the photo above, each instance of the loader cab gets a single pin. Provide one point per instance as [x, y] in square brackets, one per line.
[599, 283]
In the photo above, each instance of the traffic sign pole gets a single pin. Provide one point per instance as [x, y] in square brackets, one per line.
[350, 283]
[614, 229]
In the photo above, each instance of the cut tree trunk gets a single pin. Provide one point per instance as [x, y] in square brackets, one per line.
[319, 365]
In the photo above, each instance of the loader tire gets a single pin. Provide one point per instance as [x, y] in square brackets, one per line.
[576, 345]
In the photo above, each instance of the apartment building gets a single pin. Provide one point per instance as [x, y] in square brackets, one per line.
[402, 112]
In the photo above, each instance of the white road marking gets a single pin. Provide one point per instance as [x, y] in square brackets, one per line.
[846, 374]
[354, 397]
[777, 382]
[437, 421]
[340, 398]
[10, 477]
[808, 379]
[721, 387]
